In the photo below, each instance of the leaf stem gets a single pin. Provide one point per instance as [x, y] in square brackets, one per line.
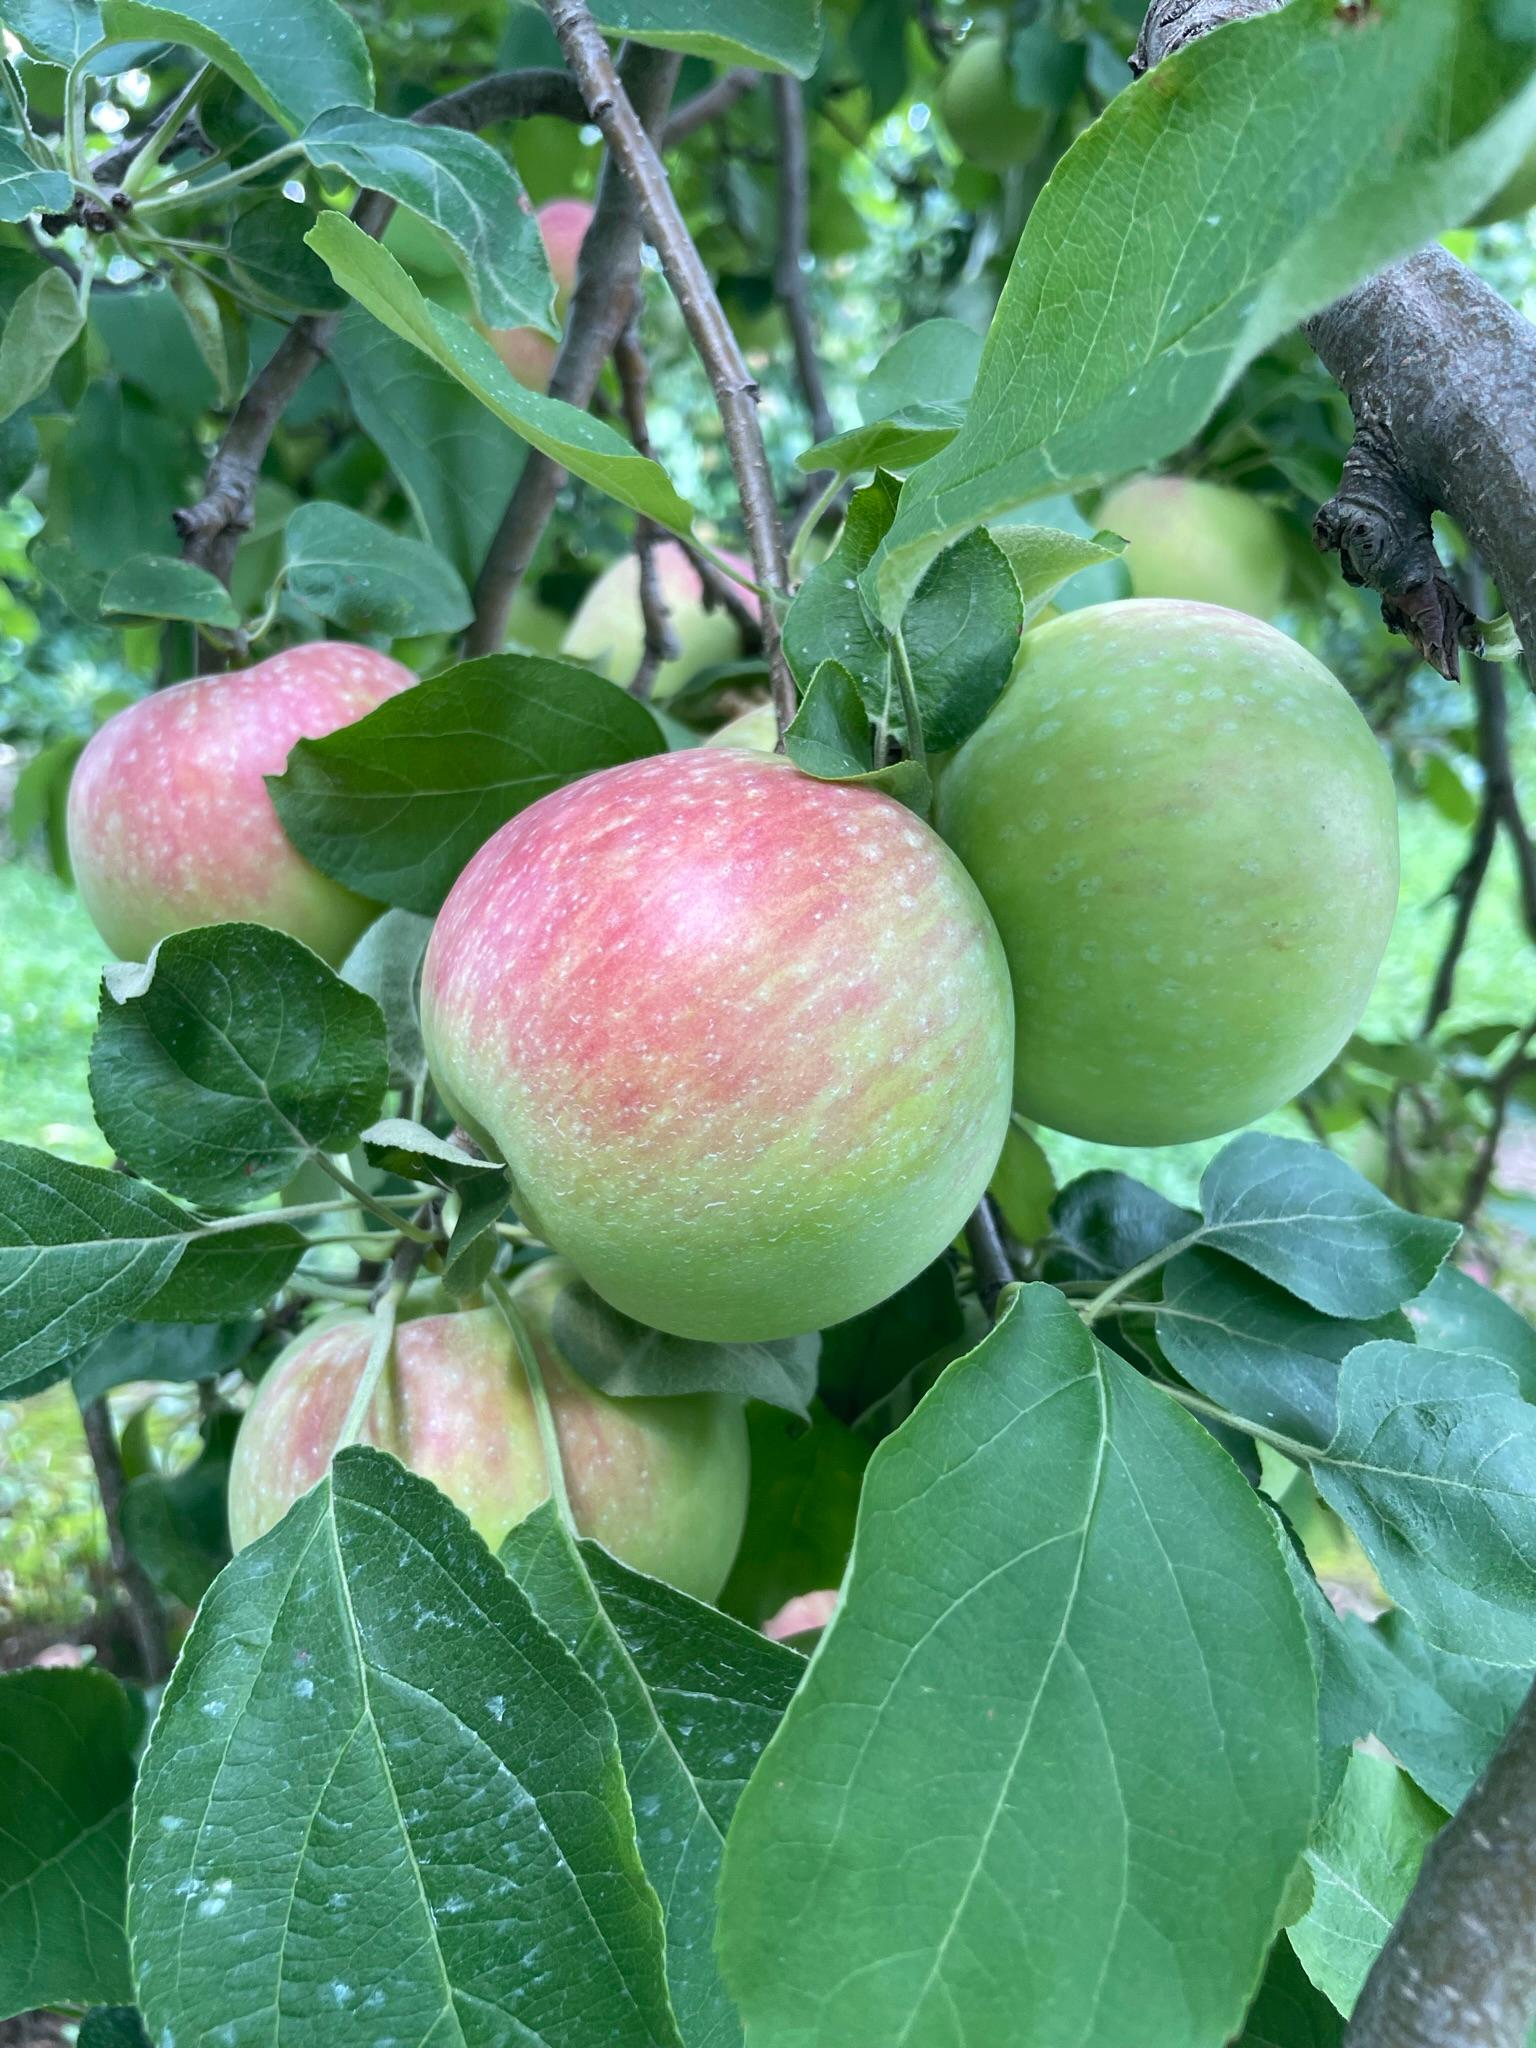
[1289, 1446]
[380, 1350]
[549, 1436]
[809, 524]
[912, 717]
[1127, 1280]
[251, 1218]
[361, 1196]
[167, 129]
[160, 199]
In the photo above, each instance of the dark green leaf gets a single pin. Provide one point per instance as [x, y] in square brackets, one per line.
[267, 250]
[151, 345]
[871, 1361]
[1289, 2012]
[229, 1059]
[778, 35]
[113, 2026]
[1455, 1313]
[27, 188]
[165, 587]
[464, 188]
[57, 31]
[587, 447]
[167, 1352]
[43, 324]
[395, 805]
[961, 633]
[621, 1357]
[1016, 1705]
[368, 580]
[396, 1145]
[1297, 1214]
[228, 1274]
[448, 1845]
[1104, 1223]
[901, 442]
[177, 1527]
[830, 738]
[386, 965]
[695, 1697]
[296, 65]
[66, 1781]
[800, 1517]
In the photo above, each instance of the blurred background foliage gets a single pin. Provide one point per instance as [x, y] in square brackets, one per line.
[902, 227]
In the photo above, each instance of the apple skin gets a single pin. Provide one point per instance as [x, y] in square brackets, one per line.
[170, 822]
[1188, 837]
[607, 632]
[743, 1038]
[1204, 542]
[529, 355]
[976, 104]
[757, 730]
[662, 1483]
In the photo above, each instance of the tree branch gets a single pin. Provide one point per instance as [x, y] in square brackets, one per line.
[1500, 1088]
[660, 640]
[989, 1255]
[1440, 373]
[789, 272]
[712, 104]
[602, 305]
[734, 387]
[144, 1609]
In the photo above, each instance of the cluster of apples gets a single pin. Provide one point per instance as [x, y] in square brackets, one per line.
[749, 1042]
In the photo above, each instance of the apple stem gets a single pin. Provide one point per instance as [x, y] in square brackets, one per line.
[538, 1392]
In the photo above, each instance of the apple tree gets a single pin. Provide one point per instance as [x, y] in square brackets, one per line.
[623, 803]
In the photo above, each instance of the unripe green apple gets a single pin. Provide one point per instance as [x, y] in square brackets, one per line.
[976, 104]
[607, 632]
[529, 355]
[1517, 197]
[743, 1038]
[1205, 542]
[170, 822]
[757, 730]
[1188, 837]
[662, 1483]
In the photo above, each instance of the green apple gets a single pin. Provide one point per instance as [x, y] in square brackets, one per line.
[607, 632]
[976, 104]
[1187, 836]
[1205, 542]
[757, 730]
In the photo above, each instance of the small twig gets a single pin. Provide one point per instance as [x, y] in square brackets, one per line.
[660, 640]
[1500, 1088]
[602, 305]
[734, 387]
[712, 104]
[989, 1255]
[789, 270]
[144, 1610]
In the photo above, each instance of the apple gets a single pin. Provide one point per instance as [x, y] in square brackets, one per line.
[529, 355]
[662, 1483]
[1188, 837]
[170, 822]
[607, 632]
[1205, 542]
[743, 1038]
[757, 730]
[976, 104]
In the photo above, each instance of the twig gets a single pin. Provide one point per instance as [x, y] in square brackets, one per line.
[602, 304]
[989, 1255]
[712, 104]
[1459, 1968]
[735, 389]
[720, 590]
[789, 270]
[1500, 1088]
[660, 640]
[144, 1609]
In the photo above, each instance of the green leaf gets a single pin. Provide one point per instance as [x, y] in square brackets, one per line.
[113, 2026]
[961, 633]
[828, 621]
[456, 463]
[164, 587]
[25, 187]
[695, 1697]
[57, 31]
[448, 1845]
[829, 737]
[295, 63]
[366, 579]
[583, 445]
[1364, 1857]
[1297, 1214]
[170, 1353]
[397, 1145]
[1455, 1313]
[80, 1249]
[464, 188]
[1016, 1727]
[1104, 1223]
[177, 1526]
[873, 1364]
[230, 1273]
[912, 403]
[267, 250]
[1434, 1468]
[43, 324]
[1289, 2012]
[800, 1517]
[1250, 179]
[1346, 1690]
[386, 965]
[778, 35]
[1043, 558]
[395, 805]
[901, 442]
[1023, 1184]
[1256, 1349]
[229, 1059]
[66, 1779]
[621, 1357]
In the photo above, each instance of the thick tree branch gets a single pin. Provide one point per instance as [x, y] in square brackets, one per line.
[144, 1609]
[1440, 373]
[602, 305]
[660, 641]
[211, 529]
[789, 272]
[734, 387]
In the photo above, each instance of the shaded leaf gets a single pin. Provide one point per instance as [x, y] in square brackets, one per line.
[1456, 1313]
[1289, 2012]
[366, 579]
[165, 587]
[176, 1524]
[25, 187]
[166, 1352]
[829, 737]
[230, 1273]
[1104, 1223]
[779, 35]
[800, 1516]
[386, 965]
[43, 324]
[296, 64]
